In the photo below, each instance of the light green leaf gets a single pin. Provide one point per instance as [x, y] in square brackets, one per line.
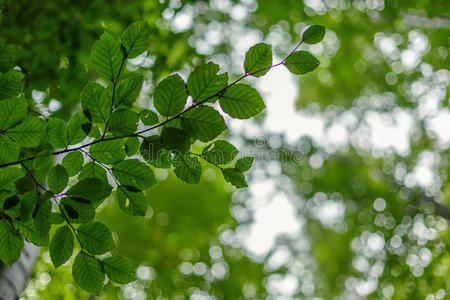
[11, 83]
[11, 243]
[95, 102]
[219, 152]
[30, 133]
[235, 177]
[72, 162]
[244, 164]
[170, 96]
[78, 129]
[119, 269]
[61, 246]
[57, 179]
[95, 237]
[301, 62]
[203, 123]
[135, 39]
[93, 170]
[188, 168]
[128, 90]
[87, 272]
[57, 133]
[242, 101]
[148, 117]
[108, 152]
[91, 189]
[204, 83]
[132, 172]
[123, 122]
[258, 57]
[313, 34]
[131, 201]
[107, 57]
[12, 111]
[132, 145]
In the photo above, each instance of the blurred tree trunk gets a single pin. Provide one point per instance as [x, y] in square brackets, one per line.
[14, 278]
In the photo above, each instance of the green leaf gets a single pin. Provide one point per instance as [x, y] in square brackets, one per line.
[128, 90]
[8, 176]
[153, 151]
[244, 164]
[107, 57]
[9, 150]
[108, 152]
[57, 133]
[132, 145]
[204, 83]
[95, 100]
[7, 56]
[235, 177]
[170, 96]
[219, 152]
[95, 237]
[93, 170]
[135, 39]
[11, 243]
[123, 122]
[72, 162]
[242, 101]
[12, 111]
[188, 168]
[91, 189]
[78, 129]
[119, 269]
[57, 179]
[41, 223]
[203, 123]
[131, 201]
[30, 133]
[78, 212]
[132, 172]
[61, 246]
[313, 34]
[28, 203]
[301, 62]
[148, 117]
[87, 272]
[258, 57]
[175, 139]
[11, 83]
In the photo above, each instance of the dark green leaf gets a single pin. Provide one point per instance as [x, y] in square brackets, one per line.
[219, 152]
[12, 111]
[132, 172]
[87, 272]
[204, 83]
[107, 57]
[135, 39]
[244, 164]
[11, 243]
[241, 101]
[95, 237]
[108, 152]
[128, 90]
[148, 117]
[72, 162]
[131, 202]
[301, 62]
[203, 123]
[313, 34]
[61, 246]
[95, 100]
[170, 96]
[77, 131]
[57, 133]
[92, 189]
[258, 57]
[123, 122]
[175, 139]
[57, 179]
[235, 177]
[11, 83]
[188, 168]
[153, 151]
[118, 269]
[132, 145]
